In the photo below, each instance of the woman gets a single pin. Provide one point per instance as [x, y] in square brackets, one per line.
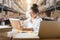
[33, 22]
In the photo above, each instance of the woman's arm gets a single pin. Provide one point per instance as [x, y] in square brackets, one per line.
[27, 29]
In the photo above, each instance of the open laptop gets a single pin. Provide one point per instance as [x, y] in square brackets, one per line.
[15, 23]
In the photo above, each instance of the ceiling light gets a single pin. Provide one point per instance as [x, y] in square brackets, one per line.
[28, 1]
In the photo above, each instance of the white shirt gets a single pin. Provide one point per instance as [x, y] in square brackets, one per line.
[35, 24]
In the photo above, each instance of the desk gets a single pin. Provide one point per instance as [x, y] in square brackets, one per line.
[25, 36]
[5, 28]
[3, 32]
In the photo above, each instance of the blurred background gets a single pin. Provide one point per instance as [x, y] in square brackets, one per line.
[49, 10]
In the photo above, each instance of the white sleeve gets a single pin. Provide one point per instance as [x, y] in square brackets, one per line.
[25, 23]
[36, 26]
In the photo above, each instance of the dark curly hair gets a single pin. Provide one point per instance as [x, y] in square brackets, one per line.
[34, 8]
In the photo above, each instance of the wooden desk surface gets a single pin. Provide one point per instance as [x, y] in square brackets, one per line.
[5, 28]
[25, 35]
